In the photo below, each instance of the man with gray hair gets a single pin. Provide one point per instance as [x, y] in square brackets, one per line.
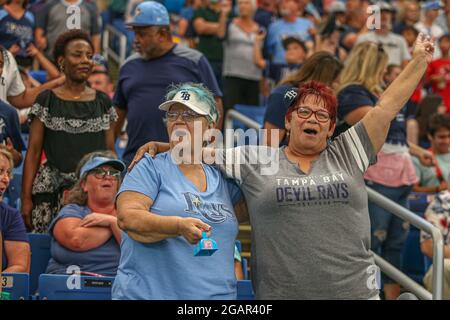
[394, 45]
[146, 75]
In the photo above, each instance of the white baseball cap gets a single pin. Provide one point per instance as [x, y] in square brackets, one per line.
[189, 99]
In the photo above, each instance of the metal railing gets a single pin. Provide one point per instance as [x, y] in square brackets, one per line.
[108, 51]
[422, 224]
[389, 205]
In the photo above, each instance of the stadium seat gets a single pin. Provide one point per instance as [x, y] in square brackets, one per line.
[59, 287]
[39, 75]
[40, 255]
[255, 113]
[17, 284]
[245, 290]
[245, 268]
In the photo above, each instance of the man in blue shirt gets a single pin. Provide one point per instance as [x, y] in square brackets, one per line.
[289, 25]
[145, 77]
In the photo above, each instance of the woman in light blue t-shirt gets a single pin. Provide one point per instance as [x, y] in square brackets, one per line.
[165, 204]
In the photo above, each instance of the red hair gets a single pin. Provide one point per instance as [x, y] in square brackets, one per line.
[321, 92]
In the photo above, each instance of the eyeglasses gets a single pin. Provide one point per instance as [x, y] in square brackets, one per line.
[306, 113]
[7, 172]
[185, 115]
[100, 173]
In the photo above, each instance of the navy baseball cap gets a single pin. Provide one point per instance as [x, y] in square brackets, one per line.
[290, 97]
[150, 13]
[100, 161]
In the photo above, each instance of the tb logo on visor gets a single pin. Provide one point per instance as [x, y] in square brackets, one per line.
[185, 95]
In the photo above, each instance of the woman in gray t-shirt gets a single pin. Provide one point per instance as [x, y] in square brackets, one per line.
[307, 201]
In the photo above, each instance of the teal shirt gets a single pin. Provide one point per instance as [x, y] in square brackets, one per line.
[427, 175]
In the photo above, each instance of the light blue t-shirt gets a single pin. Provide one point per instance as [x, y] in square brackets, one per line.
[168, 269]
[281, 29]
[102, 260]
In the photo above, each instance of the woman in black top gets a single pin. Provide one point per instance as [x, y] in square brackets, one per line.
[66, 123]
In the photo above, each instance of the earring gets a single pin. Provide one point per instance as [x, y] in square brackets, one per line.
[61, 67]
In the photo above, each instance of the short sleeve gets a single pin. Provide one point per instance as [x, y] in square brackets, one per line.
[237, 163]
[69, 211]
[38, 109]
[144, 178]
[109, 110]
[119, 99]
[276, 107]
[234, 191]
[15, 229]
[207, 76]
[352, 98]
[14, 81]
[13, 126]
[198, 14]
[354, 147]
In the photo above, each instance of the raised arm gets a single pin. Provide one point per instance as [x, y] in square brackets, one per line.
[144, 226]
[258, 58]
[378, 119]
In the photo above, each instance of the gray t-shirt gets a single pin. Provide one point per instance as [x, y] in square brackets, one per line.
[394, 45]
[53, 19]
[238, 55]
[310, 232]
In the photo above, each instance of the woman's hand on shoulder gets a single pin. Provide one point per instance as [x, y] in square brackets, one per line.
[152, 148]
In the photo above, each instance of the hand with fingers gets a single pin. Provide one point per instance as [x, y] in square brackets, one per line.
[191, 229]
[424, 46]
[152, 148]
[98, 220]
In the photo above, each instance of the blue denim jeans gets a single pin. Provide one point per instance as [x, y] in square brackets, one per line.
[388, 232]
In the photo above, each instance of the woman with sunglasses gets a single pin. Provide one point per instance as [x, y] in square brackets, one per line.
[85, 233]
[394, 175]
[166, 205]
[307, 201]
[65, 123]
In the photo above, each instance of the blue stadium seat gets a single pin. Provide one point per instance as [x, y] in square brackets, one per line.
[17, 284]
[245, 268]
[40, 255]
[39, 75]
[413, 258]
[245, 290]
[56, 287]
[255, 113]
